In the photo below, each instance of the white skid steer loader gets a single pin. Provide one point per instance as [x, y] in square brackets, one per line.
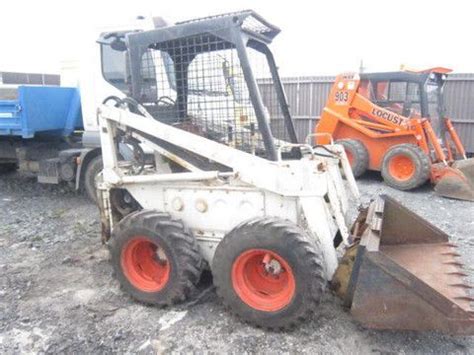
[211, 180]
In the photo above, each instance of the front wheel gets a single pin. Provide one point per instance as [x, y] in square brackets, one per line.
[405, 167]
[269, 273]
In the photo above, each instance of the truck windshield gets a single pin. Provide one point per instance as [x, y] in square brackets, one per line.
[114, 67]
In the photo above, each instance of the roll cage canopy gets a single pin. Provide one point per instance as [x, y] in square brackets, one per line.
[411, 77]
[186, 41]
[236, 29]
[421, 78]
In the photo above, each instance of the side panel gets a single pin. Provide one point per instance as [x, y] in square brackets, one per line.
[211, 212]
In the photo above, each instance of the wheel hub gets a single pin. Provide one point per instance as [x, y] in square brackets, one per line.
[145, 264]
[401, 167]
[272, 266]
[263, 280]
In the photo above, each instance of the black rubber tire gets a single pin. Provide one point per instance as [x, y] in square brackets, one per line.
[6, 168]
[420, 160]
[93, 168]
[291, 243]
[179, 246]
[360, 154]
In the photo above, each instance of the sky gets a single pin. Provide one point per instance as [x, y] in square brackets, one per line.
[317, 38]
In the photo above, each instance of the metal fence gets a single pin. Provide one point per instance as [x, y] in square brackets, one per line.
[14, 78]
[307, 97]
[459, 96]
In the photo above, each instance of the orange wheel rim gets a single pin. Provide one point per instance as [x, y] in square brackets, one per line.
[401, 167]
[145, 264]
[263, 280]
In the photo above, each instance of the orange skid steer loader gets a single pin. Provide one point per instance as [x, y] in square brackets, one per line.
[395, 123]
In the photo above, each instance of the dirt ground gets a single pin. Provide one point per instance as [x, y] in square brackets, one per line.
[57, 294]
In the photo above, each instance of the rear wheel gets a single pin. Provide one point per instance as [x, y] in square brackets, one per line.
[357, 155]
[155, 258]
[268, 272]
[405, 167]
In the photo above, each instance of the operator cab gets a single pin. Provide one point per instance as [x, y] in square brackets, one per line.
[410, 94]
[207, 76]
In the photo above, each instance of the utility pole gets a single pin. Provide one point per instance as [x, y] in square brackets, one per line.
[361, 66]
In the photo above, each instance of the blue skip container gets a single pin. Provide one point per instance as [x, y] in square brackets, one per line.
[41, 109]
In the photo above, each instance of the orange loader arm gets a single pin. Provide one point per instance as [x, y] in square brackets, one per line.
[454, 136]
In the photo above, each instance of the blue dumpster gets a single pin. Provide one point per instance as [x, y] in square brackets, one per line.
[41, 109]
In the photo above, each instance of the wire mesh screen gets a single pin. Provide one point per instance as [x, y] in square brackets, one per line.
[197, 83]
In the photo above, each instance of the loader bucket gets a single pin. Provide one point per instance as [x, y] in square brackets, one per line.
[457, 181]
[406, 275]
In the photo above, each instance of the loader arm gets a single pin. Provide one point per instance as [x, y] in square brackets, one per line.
[316, 177]
[247, 165]
[362, 108]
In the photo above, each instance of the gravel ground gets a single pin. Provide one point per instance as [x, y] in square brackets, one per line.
[57, 293]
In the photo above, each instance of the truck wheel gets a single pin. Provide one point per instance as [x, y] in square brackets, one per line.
[269, 273]
[155, 258]
[357, 155]
[93, 168]
[405, 167]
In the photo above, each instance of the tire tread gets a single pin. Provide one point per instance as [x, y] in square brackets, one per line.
[307, 251]
[422, 163]
[180, 240]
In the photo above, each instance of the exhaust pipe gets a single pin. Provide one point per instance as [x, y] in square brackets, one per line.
[405, 274]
